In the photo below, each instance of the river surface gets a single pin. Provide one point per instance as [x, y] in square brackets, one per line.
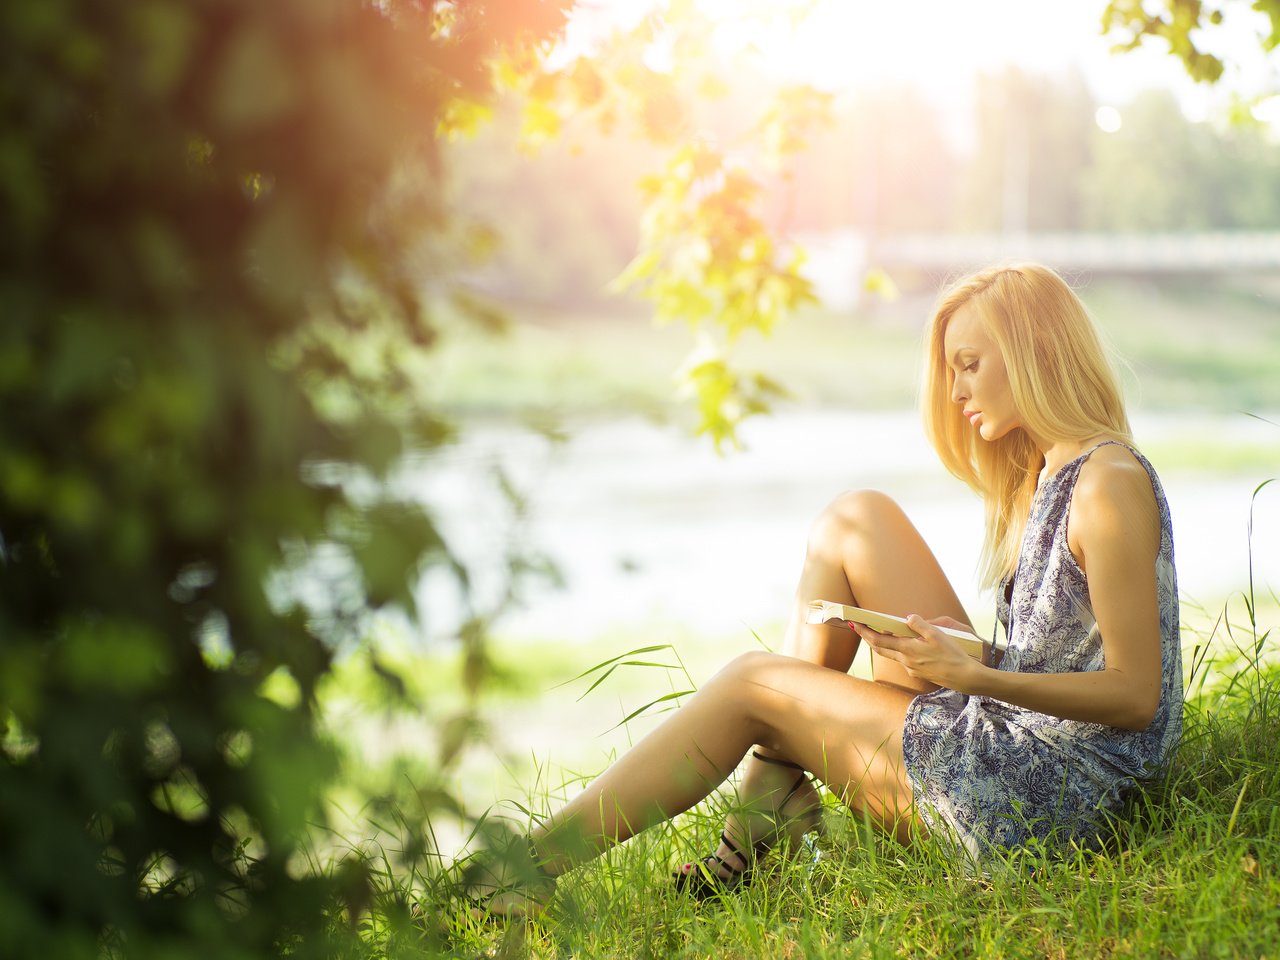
[648, 526]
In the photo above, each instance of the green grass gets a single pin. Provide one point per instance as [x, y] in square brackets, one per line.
[1194, 873]
[1206, 452]
[1193, 344]
[1209, 346]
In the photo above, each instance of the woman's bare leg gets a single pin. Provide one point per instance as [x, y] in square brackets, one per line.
[802, 707]
[847, 731]
[862, 550]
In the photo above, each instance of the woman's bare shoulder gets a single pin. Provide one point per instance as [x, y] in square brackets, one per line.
[1114, 489]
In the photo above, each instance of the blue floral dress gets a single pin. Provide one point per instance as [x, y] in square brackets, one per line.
[989, 774]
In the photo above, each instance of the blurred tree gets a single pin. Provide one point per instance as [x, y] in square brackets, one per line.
[1160, 171]
[1033, 143]
[223, 235]
[1247, 192]
[1147, 176]
[565, 214]
[904, 172]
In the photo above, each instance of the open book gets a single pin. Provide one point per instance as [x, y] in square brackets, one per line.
[828, 611]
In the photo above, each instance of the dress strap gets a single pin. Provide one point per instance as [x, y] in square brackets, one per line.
[1083, 458]
[1103, 443]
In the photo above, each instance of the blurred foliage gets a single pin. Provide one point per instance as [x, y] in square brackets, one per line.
[224, 234]
[708, 260]
[1187, 27]
[1159, 172]
[707, 254]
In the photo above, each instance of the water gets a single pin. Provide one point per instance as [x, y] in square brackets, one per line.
[650, 527]
[653, 531]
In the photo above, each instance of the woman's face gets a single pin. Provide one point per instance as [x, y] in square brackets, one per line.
[981, 384]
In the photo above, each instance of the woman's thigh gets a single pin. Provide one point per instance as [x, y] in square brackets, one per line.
[863, 549]
[846, 731]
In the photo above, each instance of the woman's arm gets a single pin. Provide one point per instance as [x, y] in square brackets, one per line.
[1114, 533]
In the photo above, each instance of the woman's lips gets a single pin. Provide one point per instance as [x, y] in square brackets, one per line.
[974, 416]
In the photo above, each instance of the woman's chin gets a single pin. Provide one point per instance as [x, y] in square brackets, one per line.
[990, 432]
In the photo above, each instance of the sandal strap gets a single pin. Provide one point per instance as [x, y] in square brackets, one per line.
[736, 851]
[538, 861]
[800, 782]
[734, 871]
[776, 761]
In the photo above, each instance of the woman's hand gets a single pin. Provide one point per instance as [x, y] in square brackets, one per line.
[932, 656]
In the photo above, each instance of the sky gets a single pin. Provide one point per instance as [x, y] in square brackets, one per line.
[940, 46]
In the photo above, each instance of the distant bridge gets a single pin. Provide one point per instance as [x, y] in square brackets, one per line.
[1212, 252]
[838, 260]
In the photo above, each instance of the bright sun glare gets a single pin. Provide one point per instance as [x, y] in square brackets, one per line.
[939, 47]
[933, 45]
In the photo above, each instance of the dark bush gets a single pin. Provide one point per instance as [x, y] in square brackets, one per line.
[222, 234]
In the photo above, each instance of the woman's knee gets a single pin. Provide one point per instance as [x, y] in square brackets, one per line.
[852, 516]
[746, 675]
[747, 683]
[750, 666]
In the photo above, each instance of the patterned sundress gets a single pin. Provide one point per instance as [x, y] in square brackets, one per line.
[992, 775]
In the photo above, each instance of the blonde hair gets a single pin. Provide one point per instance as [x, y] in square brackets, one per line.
[1062, 382]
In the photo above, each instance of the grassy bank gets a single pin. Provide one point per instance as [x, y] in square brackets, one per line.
[1194, 874]
[1202, 345]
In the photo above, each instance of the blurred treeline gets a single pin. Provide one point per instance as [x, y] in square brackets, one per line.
[887, 161]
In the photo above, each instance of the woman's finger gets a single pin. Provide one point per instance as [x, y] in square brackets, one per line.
[884, 644]
[922, 626]
[875, 636]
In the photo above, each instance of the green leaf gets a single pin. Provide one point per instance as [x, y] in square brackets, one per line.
[667, 698]
[254, 85]
[613, 660]
[112, 655]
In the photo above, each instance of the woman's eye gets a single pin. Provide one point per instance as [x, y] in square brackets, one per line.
[970, 367]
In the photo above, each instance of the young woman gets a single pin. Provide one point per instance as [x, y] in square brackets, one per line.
[1021, 403]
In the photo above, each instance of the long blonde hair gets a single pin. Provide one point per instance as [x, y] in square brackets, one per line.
[1062, 382]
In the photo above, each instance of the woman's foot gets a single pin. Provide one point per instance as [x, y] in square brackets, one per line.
[724, 871]
[508, 884]
[749, 836]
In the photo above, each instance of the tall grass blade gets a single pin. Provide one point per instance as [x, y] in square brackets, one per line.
[1235, 811]
[676, 695]
[613, 661]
